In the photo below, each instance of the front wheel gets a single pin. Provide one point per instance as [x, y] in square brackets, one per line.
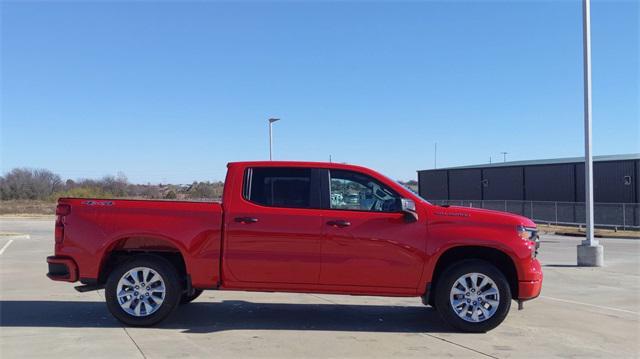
[143, 291]
[473, 296]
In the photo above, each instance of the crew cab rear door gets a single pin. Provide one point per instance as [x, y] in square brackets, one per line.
[273, 230]
[367, 241]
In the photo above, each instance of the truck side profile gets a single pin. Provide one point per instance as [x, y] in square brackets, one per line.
[298, 227]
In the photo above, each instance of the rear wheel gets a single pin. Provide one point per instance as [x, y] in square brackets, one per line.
[143, 291]
[473, 296]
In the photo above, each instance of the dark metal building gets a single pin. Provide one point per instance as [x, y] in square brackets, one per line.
[513, 186]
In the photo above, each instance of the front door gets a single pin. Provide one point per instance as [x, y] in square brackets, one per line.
[273, 233]
[367, 241]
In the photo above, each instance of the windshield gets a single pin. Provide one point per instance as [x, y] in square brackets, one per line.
[412, 191]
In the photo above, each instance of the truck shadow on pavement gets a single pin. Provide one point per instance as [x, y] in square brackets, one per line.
[208, 317]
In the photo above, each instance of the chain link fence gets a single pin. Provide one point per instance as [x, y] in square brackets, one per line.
[613, 215]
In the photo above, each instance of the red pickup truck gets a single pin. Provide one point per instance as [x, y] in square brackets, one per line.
[298, 227]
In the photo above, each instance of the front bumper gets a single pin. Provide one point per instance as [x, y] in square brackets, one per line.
[62, 269]
[530, 287]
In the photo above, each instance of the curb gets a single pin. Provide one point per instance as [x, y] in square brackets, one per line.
[15, 236]
[572, 234]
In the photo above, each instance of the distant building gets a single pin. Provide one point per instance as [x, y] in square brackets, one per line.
[549, 191]
[615, 180]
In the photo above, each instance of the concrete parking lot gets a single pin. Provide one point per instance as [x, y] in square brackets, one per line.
[583, 312]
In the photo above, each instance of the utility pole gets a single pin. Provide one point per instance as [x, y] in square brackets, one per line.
[590, 252]
[489, 159]
[271, 121]
[435, 156]
[504, 154]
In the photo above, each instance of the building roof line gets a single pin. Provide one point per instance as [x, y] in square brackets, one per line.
[551, 161]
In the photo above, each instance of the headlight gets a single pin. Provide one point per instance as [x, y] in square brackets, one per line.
[528, 233]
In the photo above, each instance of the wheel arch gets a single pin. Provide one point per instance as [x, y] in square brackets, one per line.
[124, 248]
[496, 257]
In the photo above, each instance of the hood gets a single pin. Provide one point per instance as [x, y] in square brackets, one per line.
[481, 215]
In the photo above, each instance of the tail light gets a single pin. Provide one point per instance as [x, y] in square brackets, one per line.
[62, 210]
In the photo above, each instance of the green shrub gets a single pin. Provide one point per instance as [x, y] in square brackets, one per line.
[82, 192]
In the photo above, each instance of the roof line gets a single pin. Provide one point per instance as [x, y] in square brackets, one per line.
[604, 158]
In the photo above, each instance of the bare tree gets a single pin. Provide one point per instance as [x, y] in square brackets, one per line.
[24, 183]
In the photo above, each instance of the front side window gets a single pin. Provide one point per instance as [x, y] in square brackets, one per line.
[358, 192]
[279, 187]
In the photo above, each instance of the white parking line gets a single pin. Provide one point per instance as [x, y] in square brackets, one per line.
[5, 246]
[589, 305]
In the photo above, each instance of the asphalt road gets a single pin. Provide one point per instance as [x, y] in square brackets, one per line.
[583, 312]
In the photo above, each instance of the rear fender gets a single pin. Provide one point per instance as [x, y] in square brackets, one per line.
[142, 243]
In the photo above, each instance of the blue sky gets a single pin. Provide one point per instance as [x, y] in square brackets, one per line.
[171, 91]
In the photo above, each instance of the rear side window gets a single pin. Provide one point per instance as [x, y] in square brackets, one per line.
[278, 187]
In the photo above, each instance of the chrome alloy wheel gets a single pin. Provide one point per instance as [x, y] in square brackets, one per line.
[141, 291]
[474, 297]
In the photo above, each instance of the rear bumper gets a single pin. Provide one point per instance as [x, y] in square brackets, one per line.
[62, 269]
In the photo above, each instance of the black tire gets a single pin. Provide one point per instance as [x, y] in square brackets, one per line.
[173, 290]
[444, 288]
[190, 297]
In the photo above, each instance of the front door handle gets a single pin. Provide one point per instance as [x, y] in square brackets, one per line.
[339, 223]
[246, 220]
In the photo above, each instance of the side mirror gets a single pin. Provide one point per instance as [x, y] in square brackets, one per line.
[408, 207]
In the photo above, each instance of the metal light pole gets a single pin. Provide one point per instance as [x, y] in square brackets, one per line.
[271, 121]
[435, 156]
[504, 156]
[590, 252]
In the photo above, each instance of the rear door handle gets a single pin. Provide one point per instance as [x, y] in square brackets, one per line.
[339, 223]
[246, 220]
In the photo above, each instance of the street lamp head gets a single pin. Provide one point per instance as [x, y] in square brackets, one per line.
[272, 120]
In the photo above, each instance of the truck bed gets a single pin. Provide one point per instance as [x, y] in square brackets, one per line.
[98, 226]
